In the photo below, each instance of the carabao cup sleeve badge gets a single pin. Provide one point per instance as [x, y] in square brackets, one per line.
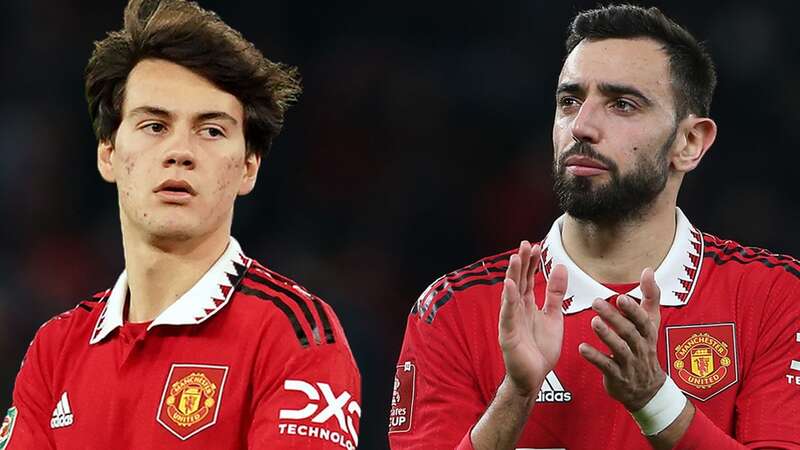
[8, 427]
[191, 399]
[703, 359]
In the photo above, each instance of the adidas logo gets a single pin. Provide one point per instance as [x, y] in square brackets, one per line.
[62, 416]
[552, 391]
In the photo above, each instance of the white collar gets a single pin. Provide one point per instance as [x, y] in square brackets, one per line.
[676, 276]
[208, 296]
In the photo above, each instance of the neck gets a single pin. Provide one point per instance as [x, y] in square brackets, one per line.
[160, 271]
[617, 253]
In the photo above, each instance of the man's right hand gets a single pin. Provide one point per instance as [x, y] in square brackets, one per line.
[530, 338]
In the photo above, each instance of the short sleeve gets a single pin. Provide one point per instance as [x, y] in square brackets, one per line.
[27, 422]
[435, 397]
[305, 396]
[768, 404]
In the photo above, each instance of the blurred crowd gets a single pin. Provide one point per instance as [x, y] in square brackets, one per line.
[421, 143]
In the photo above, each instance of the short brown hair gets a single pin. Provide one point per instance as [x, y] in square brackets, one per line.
[184, 33]
[691, 68]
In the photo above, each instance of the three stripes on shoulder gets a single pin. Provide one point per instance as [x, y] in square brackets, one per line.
[280, 291]
[487, 271]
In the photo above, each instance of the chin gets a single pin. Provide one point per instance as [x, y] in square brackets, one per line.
[170, 230]
[170, 235]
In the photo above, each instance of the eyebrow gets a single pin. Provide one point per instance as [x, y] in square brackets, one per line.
[609, 89]
[166, 114]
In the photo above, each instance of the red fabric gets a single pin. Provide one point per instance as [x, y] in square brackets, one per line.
[133, 331]
[621, 288]
[452, 340]
[116, 388]
[702, 434]
[466, 443]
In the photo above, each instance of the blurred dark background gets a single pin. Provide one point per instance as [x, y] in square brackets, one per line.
[421, 143]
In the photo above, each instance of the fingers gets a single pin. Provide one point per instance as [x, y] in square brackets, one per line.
[619, 348]
[556, 289]
[651, 293]
[536, 252]
[599, 360]
[637, 315]
[513, 270]
[525, 260]
[620, 325]
[508, 306]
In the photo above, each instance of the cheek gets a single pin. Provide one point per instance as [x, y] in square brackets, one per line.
[232, 169]
[632, 142]
[125, 167]
[133, 174]
[562, 133]
[128, 164]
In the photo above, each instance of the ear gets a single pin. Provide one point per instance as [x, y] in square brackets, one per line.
[698, 134]
[251, 164]
[105, 165]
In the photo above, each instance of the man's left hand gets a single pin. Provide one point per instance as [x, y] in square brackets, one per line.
[631, 373]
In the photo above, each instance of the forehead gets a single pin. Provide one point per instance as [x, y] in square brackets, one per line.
[156, 82]
[641, 63]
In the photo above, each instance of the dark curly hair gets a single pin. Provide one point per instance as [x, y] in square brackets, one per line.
[184, 33]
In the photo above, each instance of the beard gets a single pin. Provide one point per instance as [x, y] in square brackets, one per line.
[624, 198]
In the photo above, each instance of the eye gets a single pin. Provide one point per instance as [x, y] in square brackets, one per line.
[624, 105]
[212, 132]
[568, 103]
[154, 128]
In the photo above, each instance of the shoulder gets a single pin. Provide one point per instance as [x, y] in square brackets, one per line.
[754, 262]
[291, 307]
[51, 338]
[82, 317]
[468, 281]
[757, 273]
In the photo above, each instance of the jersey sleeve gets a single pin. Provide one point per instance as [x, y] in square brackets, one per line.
[436, 399]
[305, 395]
[768, 404]
[27, 423]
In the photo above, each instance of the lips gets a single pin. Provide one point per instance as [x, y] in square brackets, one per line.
[176, 186]
[583, 166]
[584, 161]
[175, 192]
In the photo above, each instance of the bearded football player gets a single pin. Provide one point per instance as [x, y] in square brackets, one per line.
[196, 345]
[626, 326]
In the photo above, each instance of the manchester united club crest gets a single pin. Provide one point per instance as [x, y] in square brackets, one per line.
[191, 399]
[702, 359]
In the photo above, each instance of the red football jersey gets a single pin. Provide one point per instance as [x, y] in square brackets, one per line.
[728, 338]
[246, 359]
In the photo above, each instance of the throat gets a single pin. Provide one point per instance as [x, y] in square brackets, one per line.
[143, 308]
[158, 276]
[617, 255]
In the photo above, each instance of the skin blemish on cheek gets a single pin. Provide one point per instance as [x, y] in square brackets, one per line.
[128, 165]
[222, 185]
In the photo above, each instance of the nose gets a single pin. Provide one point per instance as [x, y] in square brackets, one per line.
[180, 155]
[586, 125]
